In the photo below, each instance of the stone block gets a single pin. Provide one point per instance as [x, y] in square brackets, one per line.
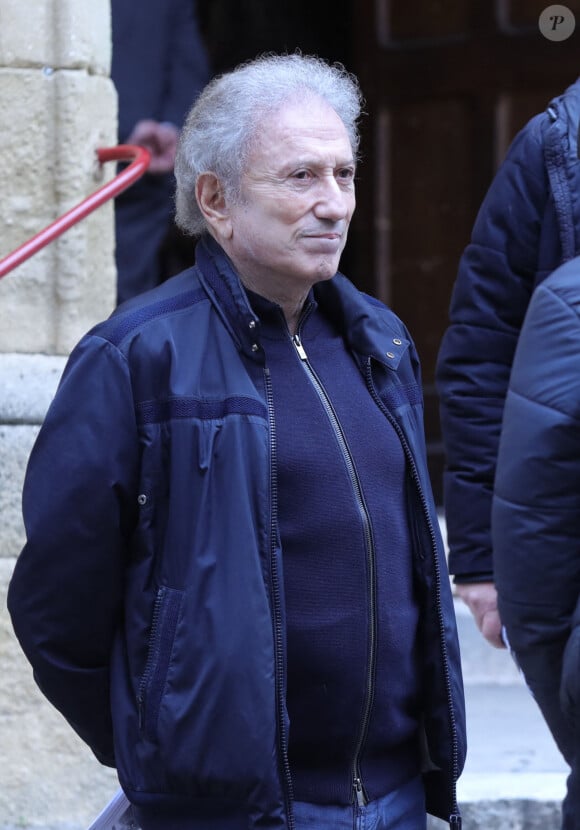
[49, 301]
[49, 776]
[85, 278]
[28, 384]
[15, 446]
[56, 33]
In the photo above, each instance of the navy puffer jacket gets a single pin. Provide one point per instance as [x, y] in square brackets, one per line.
[528, 224]
[536, 504]
[149, 596]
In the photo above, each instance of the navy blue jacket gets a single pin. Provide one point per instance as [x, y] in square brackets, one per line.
[149, 595]
[536, 504]
[528, 224]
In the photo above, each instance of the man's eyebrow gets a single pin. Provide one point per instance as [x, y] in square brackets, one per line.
[312, 161]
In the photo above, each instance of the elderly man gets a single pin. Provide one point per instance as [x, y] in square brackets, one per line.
[236, 591]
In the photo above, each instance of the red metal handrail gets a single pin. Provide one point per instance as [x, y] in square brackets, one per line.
[139, 158]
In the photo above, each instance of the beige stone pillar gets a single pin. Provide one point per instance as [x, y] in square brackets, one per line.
[57, 106]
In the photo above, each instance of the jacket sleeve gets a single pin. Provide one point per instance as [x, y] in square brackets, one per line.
[494, 282]
[536, 504]
[66, 593]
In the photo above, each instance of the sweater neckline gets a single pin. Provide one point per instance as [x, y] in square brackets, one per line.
[271, 318]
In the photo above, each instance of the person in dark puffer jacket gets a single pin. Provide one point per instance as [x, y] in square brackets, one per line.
[536, 514]
[528, 225]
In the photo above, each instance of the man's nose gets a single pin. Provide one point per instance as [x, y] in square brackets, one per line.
[333, 202]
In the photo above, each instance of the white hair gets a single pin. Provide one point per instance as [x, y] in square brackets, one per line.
[220, 126]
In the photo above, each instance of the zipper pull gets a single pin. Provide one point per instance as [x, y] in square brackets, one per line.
[299, 347]
[455, 821]
[360, 796]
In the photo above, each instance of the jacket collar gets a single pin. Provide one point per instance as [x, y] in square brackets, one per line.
[367, 326]
[228, 295]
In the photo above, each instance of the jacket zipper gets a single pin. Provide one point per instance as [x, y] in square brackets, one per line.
[356, 779]
[279, 634]
[151, 655]
[455, 816]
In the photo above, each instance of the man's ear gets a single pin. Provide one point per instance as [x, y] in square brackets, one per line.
[212, 203]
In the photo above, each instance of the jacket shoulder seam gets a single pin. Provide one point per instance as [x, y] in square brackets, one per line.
[117, 328]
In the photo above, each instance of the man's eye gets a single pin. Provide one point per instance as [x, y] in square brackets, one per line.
[346, 174]
[302, 175]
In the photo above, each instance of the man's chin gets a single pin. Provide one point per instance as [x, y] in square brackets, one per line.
[327, 268]
[316, 269]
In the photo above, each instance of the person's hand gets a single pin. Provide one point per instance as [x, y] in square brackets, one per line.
[161, 141]
[481, 599]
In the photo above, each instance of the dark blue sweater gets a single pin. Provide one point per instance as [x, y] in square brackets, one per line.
[345, 536]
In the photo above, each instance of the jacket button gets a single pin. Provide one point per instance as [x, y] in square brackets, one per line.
[142, 498]
[397, 341]
[390, 354]
[255, 347]
[252, 324]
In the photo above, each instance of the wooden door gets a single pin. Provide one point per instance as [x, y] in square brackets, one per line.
[448, 83]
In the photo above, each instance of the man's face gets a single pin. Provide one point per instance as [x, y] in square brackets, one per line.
[297, 198]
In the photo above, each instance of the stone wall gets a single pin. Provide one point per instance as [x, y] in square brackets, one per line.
[58, 106]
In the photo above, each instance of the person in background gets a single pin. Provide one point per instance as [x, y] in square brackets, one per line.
[528, 224]
[536, 514]
[237, 594]
[159, 66]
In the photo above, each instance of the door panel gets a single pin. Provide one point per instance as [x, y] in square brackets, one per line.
[423, 19]
[519, 13]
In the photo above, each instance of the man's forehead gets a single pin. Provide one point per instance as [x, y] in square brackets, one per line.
[302, 128]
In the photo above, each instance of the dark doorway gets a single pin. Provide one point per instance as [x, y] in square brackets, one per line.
[448, 85]
[237, 30]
